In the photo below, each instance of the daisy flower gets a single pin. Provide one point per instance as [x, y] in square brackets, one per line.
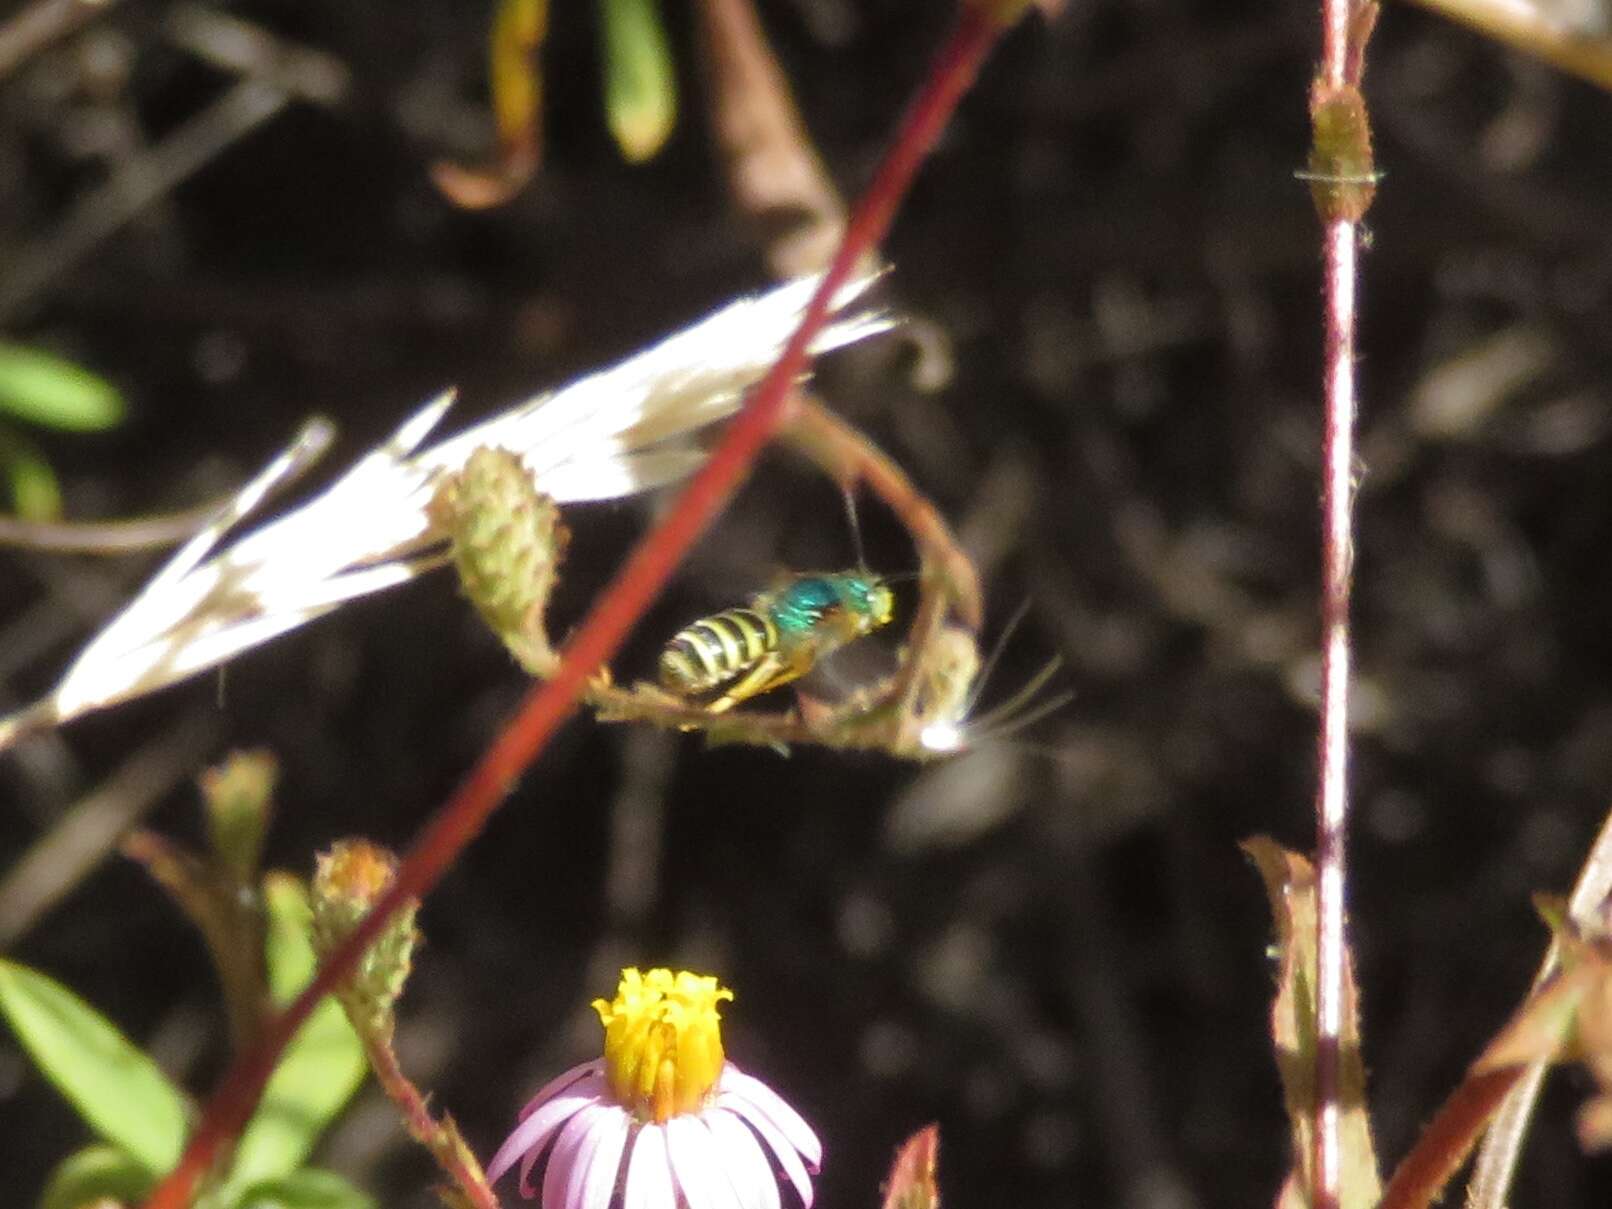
[663, 1115]
[613, 433]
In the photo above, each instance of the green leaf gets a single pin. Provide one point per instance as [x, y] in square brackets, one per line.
[309, 1188]
[34, 493]
[45, 389]
[519, 27]
[239, 796]
[287, 947]
[321, 1068]
[118, 1091]
[640, 82]
[93, 1174]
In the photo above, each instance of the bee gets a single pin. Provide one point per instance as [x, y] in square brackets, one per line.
[778, 637]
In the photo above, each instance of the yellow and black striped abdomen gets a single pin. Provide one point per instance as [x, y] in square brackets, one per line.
[715, 649]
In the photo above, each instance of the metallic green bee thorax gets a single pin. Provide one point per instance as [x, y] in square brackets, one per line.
[803, 604]
[855, 603]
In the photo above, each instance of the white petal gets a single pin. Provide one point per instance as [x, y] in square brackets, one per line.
[598, 1184]
[306, 448]
[698, 1165]
[105, 680]
[752, 1174]
[535, 1131]
[782, 1151]
[770, 1103]
[649, 1172]
[586, 482]
[347, 585]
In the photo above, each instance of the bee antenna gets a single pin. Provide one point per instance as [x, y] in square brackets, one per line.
[847, 493]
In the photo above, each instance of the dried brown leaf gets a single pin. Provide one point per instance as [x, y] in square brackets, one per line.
[1543, 1029]
[518, 30]
[1290, 884]
[774, 172]
[912, 1183]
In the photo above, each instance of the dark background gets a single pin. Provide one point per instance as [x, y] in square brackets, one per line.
[1055, 950]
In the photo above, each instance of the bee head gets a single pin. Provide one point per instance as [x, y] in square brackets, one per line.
[870, 599]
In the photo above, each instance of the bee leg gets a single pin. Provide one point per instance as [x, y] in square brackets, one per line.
[768, 674]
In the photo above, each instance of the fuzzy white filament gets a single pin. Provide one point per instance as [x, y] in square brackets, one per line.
[613, 433]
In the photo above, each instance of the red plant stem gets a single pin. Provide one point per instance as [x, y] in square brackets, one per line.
[548, 704]
[1421, 1178]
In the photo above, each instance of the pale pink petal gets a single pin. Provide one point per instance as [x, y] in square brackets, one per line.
[598, 1186]
[790, 1123]
[559, 1083]
[563, 1195]
[649, 1172]
[788, 1158]
[533, 1132]
[746, 1163]
[569, 1148]
[697, 1165]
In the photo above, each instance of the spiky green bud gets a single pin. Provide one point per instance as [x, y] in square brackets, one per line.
[347, 882]
[508, 540]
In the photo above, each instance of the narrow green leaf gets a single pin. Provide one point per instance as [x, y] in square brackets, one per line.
[32, 483]
[94, 1174]
[239, 798]
[309, 1188]
[45, 389]
[118, 1091]
[640, 80]
[288, 948]
[519, 27]
[321, 1068]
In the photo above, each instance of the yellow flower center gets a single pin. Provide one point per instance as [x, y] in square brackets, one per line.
[663, 1041]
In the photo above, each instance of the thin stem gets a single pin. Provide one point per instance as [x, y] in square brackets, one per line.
[1335, 16]
[1343, 180]
[442, 1140]
[105, 537]
[1332, 799]
[134, 534]
[88, 830]
[28, 31]
[602, 632]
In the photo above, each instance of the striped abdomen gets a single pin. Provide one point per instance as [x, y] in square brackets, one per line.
[715, 649]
